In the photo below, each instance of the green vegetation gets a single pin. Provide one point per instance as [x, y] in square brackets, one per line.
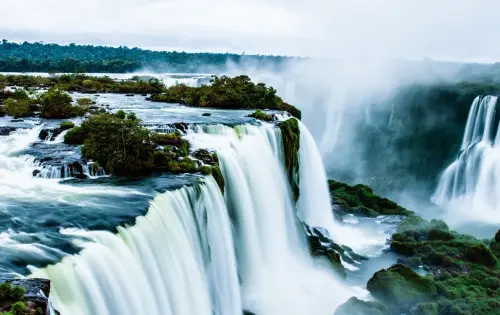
[464, 272]
[290, 132]
[464, 277]
[354, 306]
[361, 201]
[58, 104]
[123, 146]
[402, 287]
[10, 292]
[211, 166]
[17, 108]
[14, 297]
[52, 104]
[85, 84]
[18, 104]
[227, 93]
[258, 114]
[65, 125]
[84, 101]
[32, 57]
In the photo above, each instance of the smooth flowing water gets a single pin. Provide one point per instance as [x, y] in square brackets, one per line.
[471, 184]
[199, 252]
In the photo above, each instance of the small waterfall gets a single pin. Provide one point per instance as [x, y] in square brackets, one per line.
[314, 201]
[60, 137]
[68, 171]
[474, 178]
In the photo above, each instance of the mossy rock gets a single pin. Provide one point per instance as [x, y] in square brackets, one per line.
[360, 200]
[436, 234]
[216, 173]
[425, 309]
[401, 287]
[480, 254]
[290, 132]
[65, 125]
[413, 223]
[355, 306]
[260, 115]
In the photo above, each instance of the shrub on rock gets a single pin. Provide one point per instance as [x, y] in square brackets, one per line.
[260, 115]
[17, 108]
[58, 104]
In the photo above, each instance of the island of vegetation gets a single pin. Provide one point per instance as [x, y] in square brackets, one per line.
[463, 273]
[51, 104]
[227, 93]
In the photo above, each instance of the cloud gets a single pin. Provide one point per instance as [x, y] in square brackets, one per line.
[456, 30]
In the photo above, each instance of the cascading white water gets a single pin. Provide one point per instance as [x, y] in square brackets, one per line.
[16, 172]
[178, 259]
[277, 274]
[473, 180]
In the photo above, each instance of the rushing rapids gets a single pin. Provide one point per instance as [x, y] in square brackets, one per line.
[472, 179]
[197, 251]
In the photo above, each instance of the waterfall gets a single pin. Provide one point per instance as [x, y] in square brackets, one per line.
[473, 179]
[170, 262]
[198, 252]
[277, 274]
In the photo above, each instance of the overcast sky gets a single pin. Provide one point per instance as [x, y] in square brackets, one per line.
[411, 29]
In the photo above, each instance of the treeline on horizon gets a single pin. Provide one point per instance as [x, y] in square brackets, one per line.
[41, 57]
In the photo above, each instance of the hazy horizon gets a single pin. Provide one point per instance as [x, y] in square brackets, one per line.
[387, 29]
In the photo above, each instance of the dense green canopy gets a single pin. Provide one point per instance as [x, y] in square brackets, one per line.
[40, 57]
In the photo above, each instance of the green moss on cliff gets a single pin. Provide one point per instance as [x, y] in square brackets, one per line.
[361, 201]
[290, 132]
[260, 115]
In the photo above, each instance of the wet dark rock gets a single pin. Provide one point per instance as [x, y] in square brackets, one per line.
[205, 156]
[80, 176]
[36, 172]
[129, 94]
[148, 99]
[144, 94]
[181, 126]
[5, 131]
[206, 114]
[49, 134]
[17, 120]
[76, 168]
